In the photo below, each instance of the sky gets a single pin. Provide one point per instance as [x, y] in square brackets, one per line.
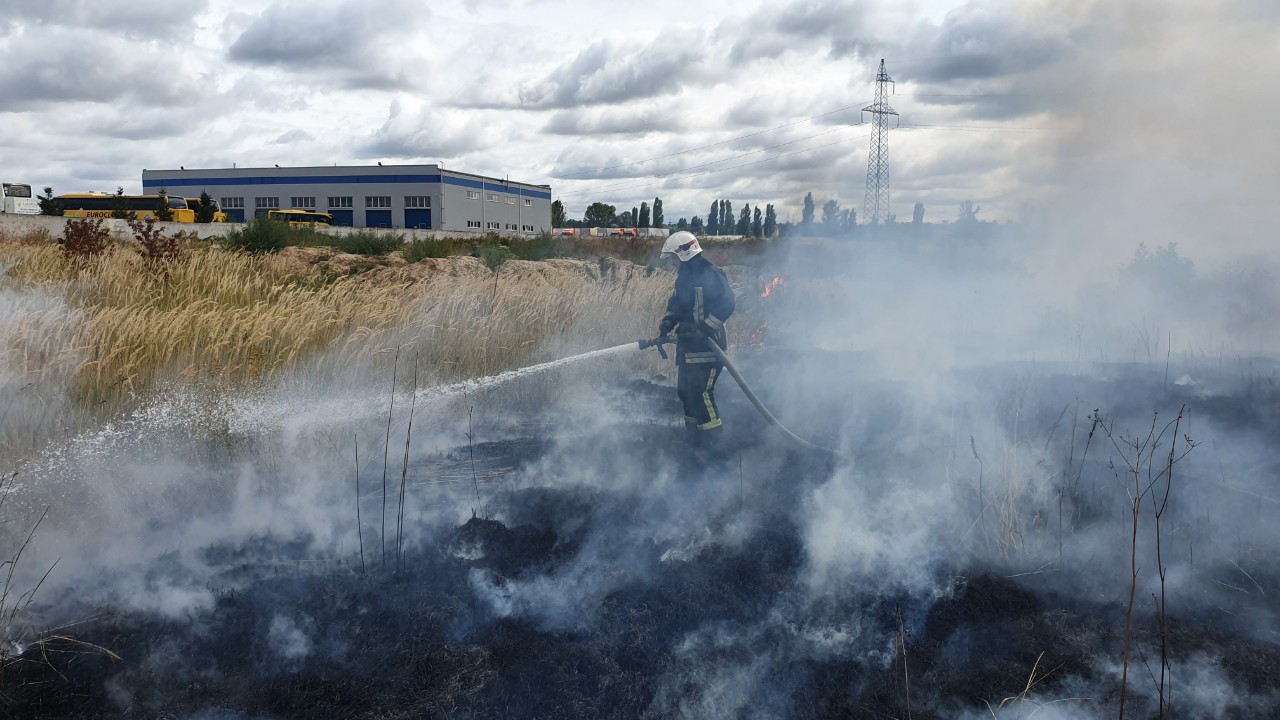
[1154, 110]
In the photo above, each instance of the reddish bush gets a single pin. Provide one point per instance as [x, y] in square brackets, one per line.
[84, 238]
[157, 247]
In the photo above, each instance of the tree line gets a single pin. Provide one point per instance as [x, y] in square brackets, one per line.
[748, 222]
[721, 220]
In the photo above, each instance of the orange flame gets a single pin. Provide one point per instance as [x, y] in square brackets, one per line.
[769, 286]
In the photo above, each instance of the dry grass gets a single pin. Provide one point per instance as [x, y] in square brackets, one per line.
[85, 338]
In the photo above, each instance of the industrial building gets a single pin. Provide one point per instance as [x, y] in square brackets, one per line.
[392, 196]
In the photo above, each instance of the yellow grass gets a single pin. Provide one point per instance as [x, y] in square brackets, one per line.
[105, 331]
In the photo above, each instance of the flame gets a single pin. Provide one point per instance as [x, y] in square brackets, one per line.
[769, 286]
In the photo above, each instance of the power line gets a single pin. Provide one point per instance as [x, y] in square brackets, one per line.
[714, 144]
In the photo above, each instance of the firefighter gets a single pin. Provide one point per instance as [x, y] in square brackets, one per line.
[698, 308]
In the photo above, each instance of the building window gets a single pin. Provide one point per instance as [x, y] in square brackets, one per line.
[473, 194]
[340, 202]
[377, 201]
[527, 228]
[510, 200]
[232, 203]
[493, 197]
[528, 202]
[417, 201]
[511, 226]
[303, 202]
[493, 225]
[266, 202]
[473, 223]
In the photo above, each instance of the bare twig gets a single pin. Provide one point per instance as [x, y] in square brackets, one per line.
[359, 523]
[385, 448]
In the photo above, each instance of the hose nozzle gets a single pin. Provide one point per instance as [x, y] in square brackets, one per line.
[657, 342]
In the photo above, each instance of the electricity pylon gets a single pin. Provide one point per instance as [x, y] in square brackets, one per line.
[875, 206]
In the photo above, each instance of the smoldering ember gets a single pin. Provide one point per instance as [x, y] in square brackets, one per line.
[1021, 489]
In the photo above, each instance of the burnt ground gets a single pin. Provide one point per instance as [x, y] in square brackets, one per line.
[728, 626]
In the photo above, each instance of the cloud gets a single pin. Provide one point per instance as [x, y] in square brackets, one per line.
[428, 132]
[139, 19]
[612, 72]
[360, 44]
[61, 65]
[293, 136]
[616, 121]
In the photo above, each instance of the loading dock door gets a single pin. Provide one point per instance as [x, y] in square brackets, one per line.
[377, 218]
[342, 217]
[417, 219]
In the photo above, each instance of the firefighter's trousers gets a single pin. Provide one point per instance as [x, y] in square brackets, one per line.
[696, 386]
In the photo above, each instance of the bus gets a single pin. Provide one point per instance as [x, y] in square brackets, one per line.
[296, 217]
[218, 215]
[17, 198]
[103, 205]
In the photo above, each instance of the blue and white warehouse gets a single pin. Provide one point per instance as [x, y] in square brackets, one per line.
[425, 197]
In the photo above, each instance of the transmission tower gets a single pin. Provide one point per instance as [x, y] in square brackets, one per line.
[875, 206]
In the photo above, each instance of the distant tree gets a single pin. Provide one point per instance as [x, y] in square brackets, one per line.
[696, 227]
[206, 208]
[558, 216]
[164, 213]
[726, 217]
[683, 224]
[757, 227]
[744, 220]
[968, 213]
[713, 218]
[600, 215]
[120, 206]
[658, 219]
[644, 214]
[807, 218]
[846, 220]
[635, 218]
[830, 214]
[917, 214]
[770, 221]
[624, 220]
[49, 206]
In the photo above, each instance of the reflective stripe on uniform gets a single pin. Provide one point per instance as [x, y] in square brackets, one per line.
[698, 309]
[714, 421]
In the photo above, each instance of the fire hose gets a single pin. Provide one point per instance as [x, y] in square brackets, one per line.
[661, 340]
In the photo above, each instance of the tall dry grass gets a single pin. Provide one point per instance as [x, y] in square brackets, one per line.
[82, 339]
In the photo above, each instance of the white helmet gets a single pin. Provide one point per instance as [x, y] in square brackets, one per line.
[683, 245]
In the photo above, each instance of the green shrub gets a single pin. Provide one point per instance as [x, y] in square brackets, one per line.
[431, 247]
[368, 242]
[493, 256]
[309, 236]
[259, 236]
[541, 247]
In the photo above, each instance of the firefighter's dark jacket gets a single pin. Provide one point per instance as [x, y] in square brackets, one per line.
[698, 308]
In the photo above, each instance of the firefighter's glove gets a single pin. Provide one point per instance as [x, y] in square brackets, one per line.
[666, 326]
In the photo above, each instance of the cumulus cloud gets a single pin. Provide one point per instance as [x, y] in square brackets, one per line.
[140, 19]
[428, 132]
[61, 65]
[610, 121]
[363, 45]
[613, 71]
